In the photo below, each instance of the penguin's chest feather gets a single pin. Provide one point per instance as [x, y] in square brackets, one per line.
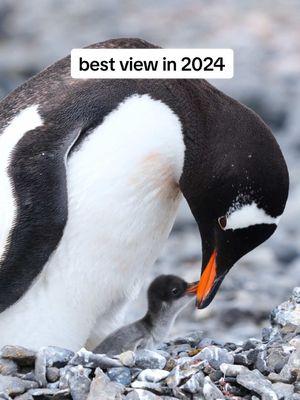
[122, 201]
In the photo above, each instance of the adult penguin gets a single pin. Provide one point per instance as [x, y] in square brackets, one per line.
[91, 176]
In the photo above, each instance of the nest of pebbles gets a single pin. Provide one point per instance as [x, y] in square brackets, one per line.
[191, 367]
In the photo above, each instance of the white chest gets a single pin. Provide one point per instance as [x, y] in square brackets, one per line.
[123, 198]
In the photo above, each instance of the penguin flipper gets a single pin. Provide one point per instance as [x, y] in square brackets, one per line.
[37, 172]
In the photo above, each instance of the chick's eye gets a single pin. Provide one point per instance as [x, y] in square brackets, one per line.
[222, 222]
[174, 290]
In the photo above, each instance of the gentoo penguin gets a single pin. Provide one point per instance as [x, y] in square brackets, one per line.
[91, 176]
[167, 296]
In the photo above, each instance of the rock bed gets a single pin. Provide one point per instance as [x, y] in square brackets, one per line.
[190, 367]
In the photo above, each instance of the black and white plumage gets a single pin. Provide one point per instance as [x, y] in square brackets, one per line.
[167, 296]
[91, 176]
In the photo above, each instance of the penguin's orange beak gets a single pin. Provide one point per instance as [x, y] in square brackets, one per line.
[207, 280]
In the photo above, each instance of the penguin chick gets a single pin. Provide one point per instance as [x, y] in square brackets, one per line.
[167, 296]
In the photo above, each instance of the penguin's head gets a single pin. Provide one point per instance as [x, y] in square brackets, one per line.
[235, 181]
[169, 292]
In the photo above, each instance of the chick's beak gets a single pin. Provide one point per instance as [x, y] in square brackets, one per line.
[192, 288]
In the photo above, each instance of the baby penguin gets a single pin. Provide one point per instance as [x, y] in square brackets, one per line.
[167, 296]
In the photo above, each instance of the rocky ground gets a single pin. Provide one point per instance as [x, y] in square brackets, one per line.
[192, 367]
[265, 37]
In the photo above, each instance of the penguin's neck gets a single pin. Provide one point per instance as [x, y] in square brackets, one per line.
[123, 197]
[159, 324]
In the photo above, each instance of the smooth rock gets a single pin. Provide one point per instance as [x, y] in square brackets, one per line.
[153, 375]
[104, 389]
[127, 358]
[12, 385]
[52, 374]
[233, 370]
[149, 359]
[120, 374]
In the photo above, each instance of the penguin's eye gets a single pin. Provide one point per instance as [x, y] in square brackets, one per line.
[175, 290]
[222, 222]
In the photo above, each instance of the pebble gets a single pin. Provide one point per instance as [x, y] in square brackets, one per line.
[8, 367]
[19, 354]
[210, 390]
[233, 370]
[141, 394]
[268, 370]
[153, 375]
[147, 385]
[11, 385]
[127, 358]
[194, 384]
[215, 356]
[78, 382]
[104, 389]
[120, 374]
[91, 360]
[149, 359]
[283, 390]
[52, 374]
[254, 380]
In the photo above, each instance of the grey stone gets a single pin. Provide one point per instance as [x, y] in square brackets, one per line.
[153, 375]
[52, 374]
[91, 360]
[276, 360]
[8, 367]
[233, 370]
[241, 359]
[120, 374]
[210, 390]
[284, 391]
[261, 363]
[19, 354]
[179, 373]
[254, 380]
[149, 359]
[141, 394]
[287, 312]
[78, 382]
[127, 358]
[12, 385]
[153, 386]
[251, 343]
[104, 389]
[25, 396]
[215, 356]
[192, 338]
[205, 342]
[194, 384]
[47, 393]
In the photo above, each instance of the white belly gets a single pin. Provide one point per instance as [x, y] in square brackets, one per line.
[123, 199]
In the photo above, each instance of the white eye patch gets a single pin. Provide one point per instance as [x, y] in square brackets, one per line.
[248, 215]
